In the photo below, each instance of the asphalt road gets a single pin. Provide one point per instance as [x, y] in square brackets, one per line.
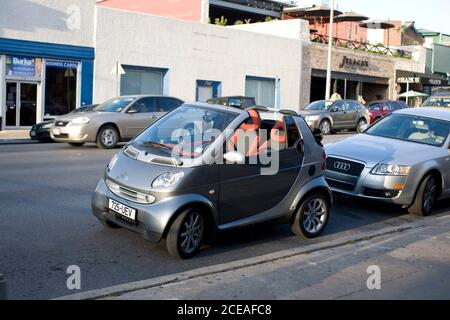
[46, 225]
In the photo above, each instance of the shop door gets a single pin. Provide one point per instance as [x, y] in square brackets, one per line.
[21, 104]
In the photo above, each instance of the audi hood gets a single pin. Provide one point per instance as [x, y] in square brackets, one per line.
[373, 150]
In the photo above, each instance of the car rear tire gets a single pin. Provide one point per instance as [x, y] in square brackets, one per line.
[107, 137]
[76, 144]
[425, 198]
[312, 216]
[186, 234]
[325, 127]
[361, 124]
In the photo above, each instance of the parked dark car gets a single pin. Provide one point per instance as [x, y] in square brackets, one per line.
[330, 116]
[234, 101]
[41, 131]
[382, 108]
[179, 186]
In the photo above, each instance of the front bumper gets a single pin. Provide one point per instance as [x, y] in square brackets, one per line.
[71, 133]
[152, 219]
[39, 134]
[389, 189]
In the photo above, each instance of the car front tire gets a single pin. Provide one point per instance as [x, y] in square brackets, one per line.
[425, 198]
[186, 234]
[361, 124]
[325, 127]
[312, 216]
[107, 137]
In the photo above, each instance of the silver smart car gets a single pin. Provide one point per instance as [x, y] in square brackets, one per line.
[402, 159]
[203, 168]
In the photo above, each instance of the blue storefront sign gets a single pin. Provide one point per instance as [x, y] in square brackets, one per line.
[61, 64]
[22, 66]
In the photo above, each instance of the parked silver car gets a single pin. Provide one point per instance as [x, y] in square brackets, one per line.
[330, 116]
[178, 181]
[402, 159]
[116, 120]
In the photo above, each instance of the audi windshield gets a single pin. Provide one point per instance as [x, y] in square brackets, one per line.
[412, 128]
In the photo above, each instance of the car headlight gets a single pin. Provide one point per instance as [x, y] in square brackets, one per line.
[391, 170]
[81, 120]
[312, 118]
[113, 161]
[167, 179]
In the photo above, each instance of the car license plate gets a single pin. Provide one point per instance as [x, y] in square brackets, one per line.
[122, 210]
[56, 132]
[33, 133]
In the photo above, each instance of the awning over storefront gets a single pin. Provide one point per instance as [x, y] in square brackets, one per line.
[350, 77]
[404, 77]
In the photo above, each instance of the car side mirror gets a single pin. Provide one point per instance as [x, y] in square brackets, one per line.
[132, 111]
[335, 109]
[234, 157]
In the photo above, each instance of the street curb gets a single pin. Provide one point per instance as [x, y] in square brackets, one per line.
[16, 141]
[117, 291]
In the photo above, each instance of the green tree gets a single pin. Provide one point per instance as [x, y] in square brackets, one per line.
[222, 21]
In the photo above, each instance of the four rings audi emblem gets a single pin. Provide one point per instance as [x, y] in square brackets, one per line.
[342, 166]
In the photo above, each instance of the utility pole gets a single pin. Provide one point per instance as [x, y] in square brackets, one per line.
[330, 46]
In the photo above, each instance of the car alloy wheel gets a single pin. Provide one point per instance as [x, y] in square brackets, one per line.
[186, 233]
[192, 233]
[312, 216]
[429, 196]
[109, 137]
[361, 124]
[325, 127]
[315, 217]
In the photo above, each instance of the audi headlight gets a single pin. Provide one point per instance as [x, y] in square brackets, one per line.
[167, 179]
[81, 120]
[391, 170]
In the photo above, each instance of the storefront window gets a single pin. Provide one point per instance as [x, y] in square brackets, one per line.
[141, 81]
[263, 90]
[60, 87]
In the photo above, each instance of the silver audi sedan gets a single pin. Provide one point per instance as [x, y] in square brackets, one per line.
[403, 159]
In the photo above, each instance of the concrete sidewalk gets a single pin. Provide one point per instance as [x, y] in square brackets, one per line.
[414, 261]
[15, 137]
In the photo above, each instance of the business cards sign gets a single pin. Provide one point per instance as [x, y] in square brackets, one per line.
[61, 64]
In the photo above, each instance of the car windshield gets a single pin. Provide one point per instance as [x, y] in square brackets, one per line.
[318, 105]
[185, 132]
[374, 107]
[437, 102]
[114, 105]
[412, 128]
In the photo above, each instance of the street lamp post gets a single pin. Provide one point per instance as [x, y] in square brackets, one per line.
[330, 46]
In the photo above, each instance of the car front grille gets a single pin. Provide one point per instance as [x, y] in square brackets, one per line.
[129, 194]
[347, 167]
